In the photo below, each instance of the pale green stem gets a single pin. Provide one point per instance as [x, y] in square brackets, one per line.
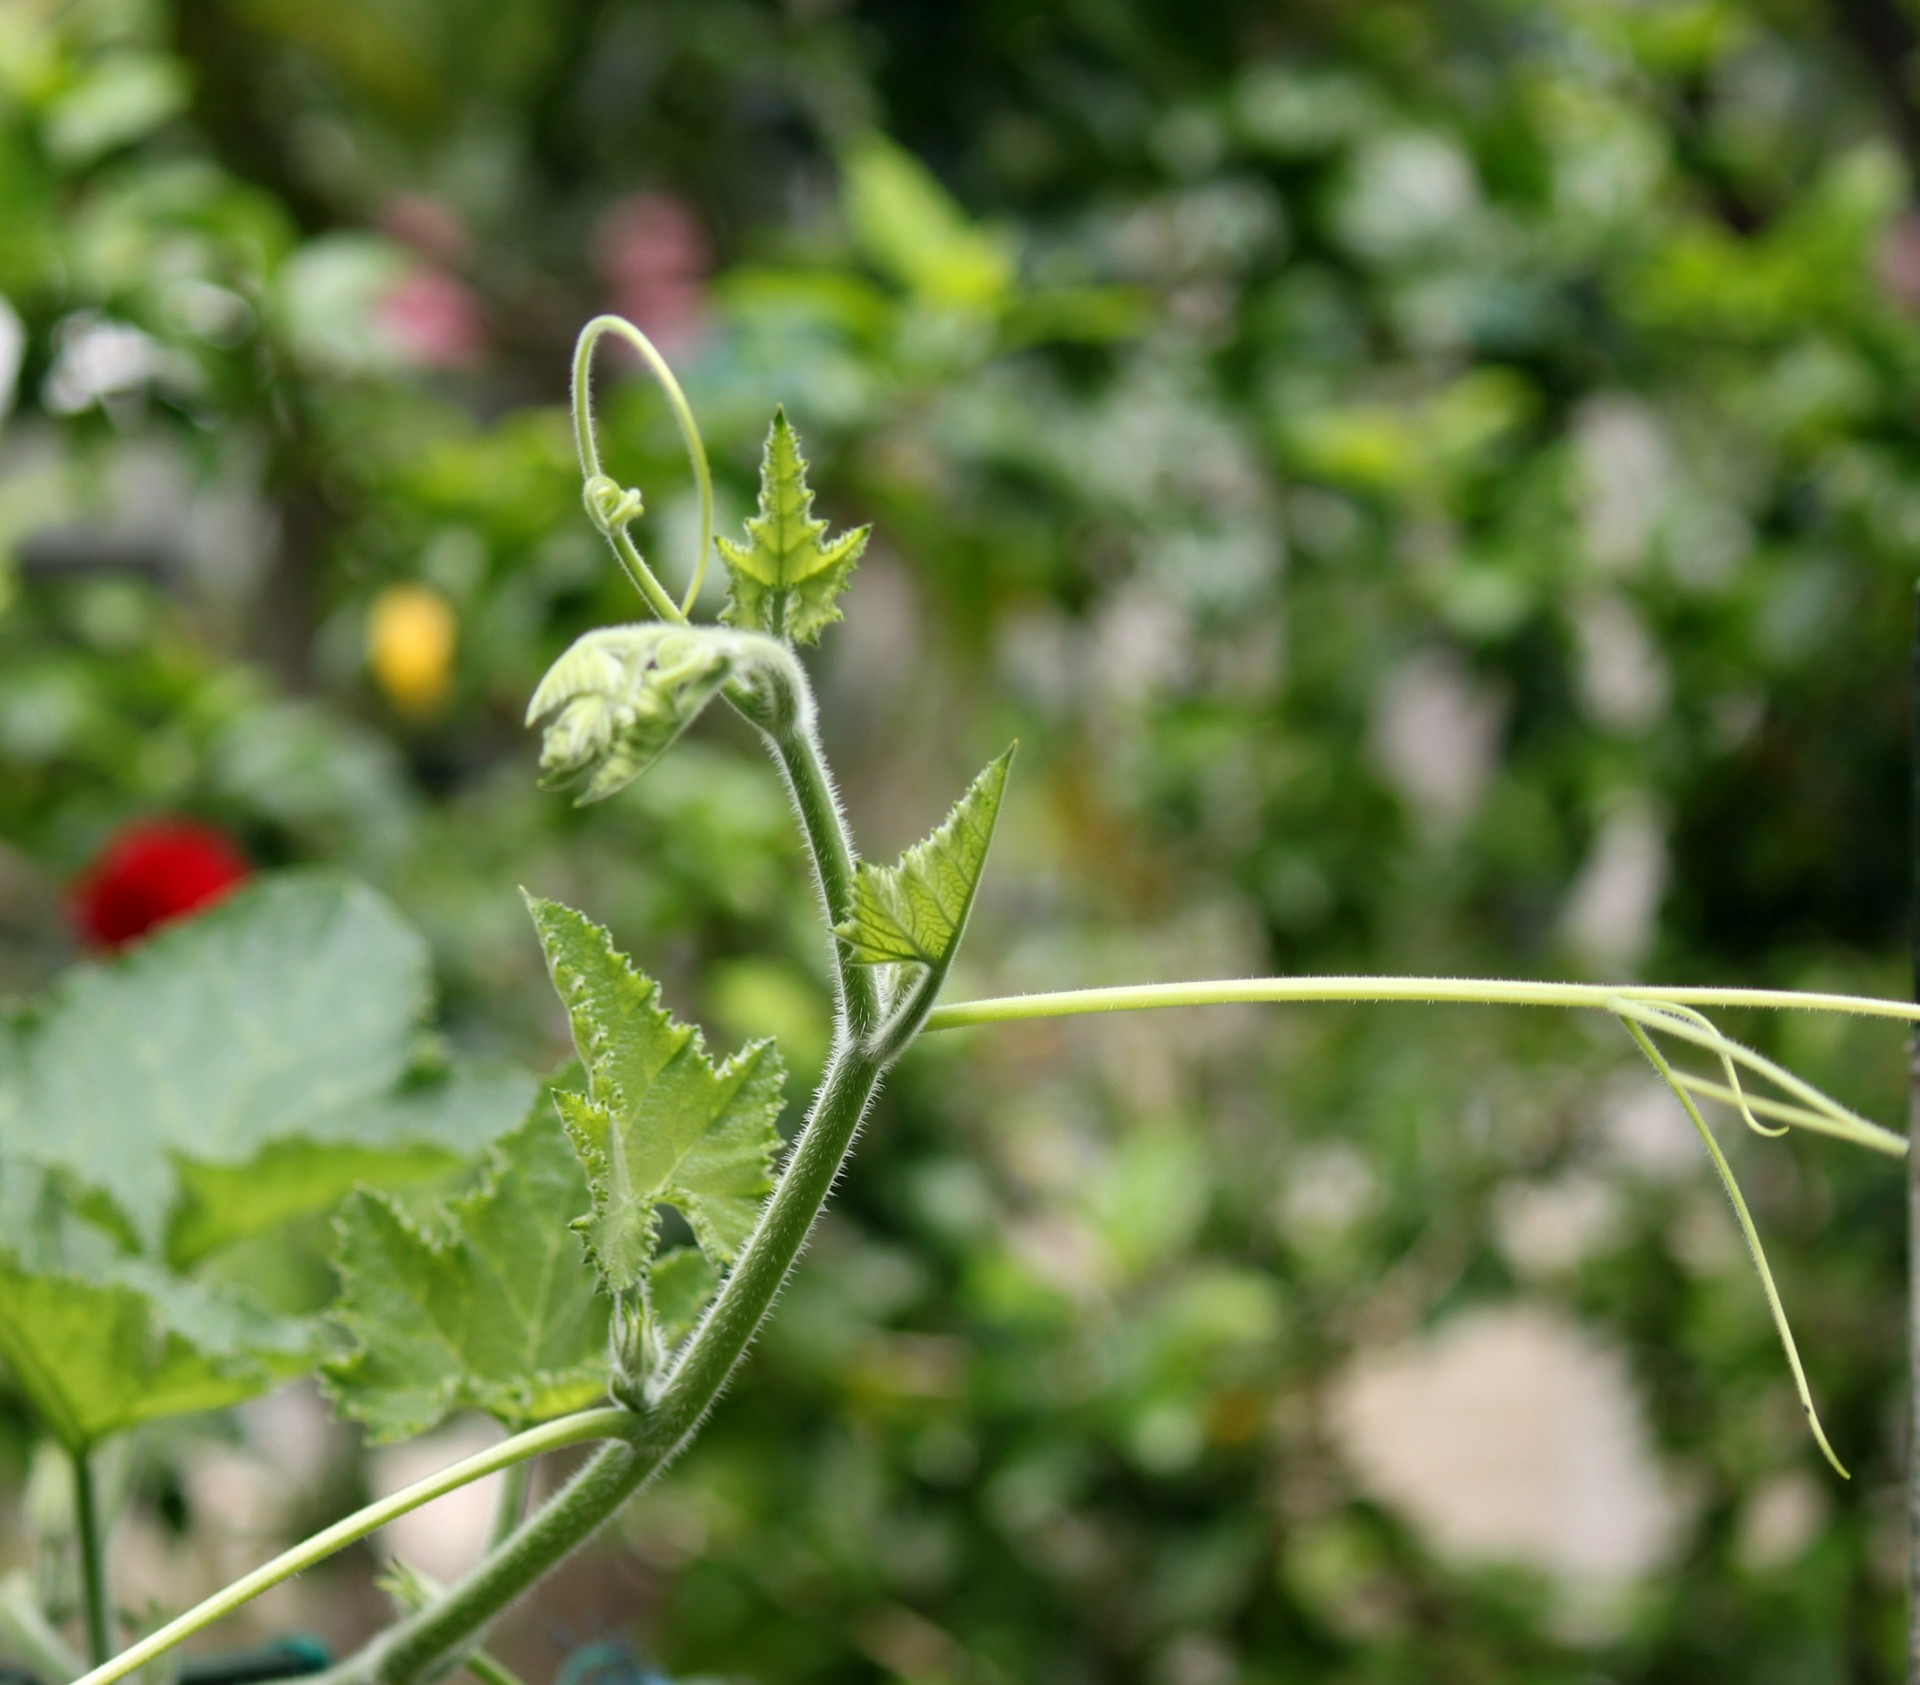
[513, 1501]
[26, 1636]
[589, 451]
[1841, 1123]
[1736, 1094]
[1747, 1104]
[1664, 1009]
[1752, 1235]
[1464, 991]
[552, 1436]
[491, 1671]
[92, 1545]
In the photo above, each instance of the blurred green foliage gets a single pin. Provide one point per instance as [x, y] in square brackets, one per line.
[1432, 487]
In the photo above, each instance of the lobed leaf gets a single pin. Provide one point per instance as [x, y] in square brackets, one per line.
[285, 1012]
[915, 912]
[660, 1123]
[490, 1305]
[784, 580]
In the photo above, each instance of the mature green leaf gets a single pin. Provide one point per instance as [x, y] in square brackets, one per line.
[97, 1354]
[620, 697]
[492, 1305]
[430, 1127]
[784, 580]
[279, 1014]
[914, 913]
[660, 1123]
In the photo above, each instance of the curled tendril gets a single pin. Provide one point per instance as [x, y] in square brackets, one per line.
[610, 505]
[1739, 1100]
[1632, 1024]
[607, 502]
[1814, 1109]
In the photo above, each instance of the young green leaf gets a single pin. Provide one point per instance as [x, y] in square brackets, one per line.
[98, 1353]
[784, 581]
[491, 1305]
[660, 1124]
[914, 913]
[617, 700]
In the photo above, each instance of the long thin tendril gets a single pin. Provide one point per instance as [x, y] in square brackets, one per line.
[611, 505]
[1834, 1118]
[1737, 1096]
[1758, 1252]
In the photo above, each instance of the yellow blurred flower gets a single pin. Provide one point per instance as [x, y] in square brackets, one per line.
[411, 636]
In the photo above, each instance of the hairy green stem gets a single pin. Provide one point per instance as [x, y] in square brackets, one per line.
[490, 1670]
[432, 1643]
[1465, 991]
[589, 452]
[810, 784]
[577, 1429]
[92, 1546]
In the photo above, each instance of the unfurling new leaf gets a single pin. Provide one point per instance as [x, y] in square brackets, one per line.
[490, 1304]
[915, 912]
[620, 697]
[784, 580]
[660, 1123]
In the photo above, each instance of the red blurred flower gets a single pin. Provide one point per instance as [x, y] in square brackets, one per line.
[150, 874]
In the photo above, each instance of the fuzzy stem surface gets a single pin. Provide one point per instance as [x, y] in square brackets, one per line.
[1434, 991]
[551, 1436]
[435, 1641]
[804, 767]
[429, 1644]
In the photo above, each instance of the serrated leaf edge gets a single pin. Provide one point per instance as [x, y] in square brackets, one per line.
[438, 1232]
[837, 558]
[874, 886]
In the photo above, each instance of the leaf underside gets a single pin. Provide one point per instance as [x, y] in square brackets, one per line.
[233, 1072]
[99, 1353]
[914, 913]
[286, 1011]
[429, 1128]
[490, 1304]
[785, 580]
[660, 1123]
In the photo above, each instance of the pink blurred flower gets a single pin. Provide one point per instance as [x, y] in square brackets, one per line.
[655, 258]
[1898, 261]
[429, 225]
[434, 320]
